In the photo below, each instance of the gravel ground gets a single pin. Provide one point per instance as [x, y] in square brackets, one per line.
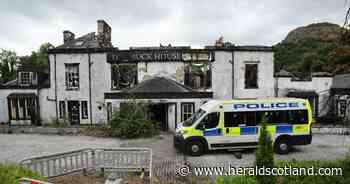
[16, 147]
[323, 147]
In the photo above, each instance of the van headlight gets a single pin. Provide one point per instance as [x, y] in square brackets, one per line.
[184, 132]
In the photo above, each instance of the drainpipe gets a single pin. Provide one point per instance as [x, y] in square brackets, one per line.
[55, 71]
[233, 74]
[38, 98]
[90, 103]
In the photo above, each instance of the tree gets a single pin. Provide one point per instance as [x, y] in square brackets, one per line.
[8, 61]
[133, 120]
[264, 154]
[38, 60]
[339, 60]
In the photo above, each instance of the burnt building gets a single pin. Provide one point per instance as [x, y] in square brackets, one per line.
[89, 79]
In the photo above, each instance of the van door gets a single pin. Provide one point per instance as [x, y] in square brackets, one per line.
[240, 129]
[211, 129]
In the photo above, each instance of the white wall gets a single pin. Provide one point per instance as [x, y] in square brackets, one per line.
[320, 85]
[100, 83]
[222, 75]
[47, 105]
[265, 61]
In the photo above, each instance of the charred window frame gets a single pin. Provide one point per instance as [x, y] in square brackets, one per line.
[123, 76]
[341, 108]
[72, 76]
[251, 76]
[84, 110]
[187, 109]
[24, 78]
[62, 109]
[198, 75]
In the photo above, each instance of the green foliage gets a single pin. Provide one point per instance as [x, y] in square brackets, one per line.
[8, 61]
[10, 174]
[236, 180]
[264, 155]
[341, 163]
[303, 57]
[96, 131]
[132, 120]
[38, 61]
[58, 123]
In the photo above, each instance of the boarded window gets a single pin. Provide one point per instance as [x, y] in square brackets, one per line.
[124, 76]
[62, 108]
[251, 76]
[198, 75]
[187, 109]
[72, 76]
[84, 110]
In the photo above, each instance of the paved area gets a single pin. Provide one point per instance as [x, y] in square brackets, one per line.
[16, 147]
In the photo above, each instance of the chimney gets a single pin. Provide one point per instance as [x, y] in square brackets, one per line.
[104, 32]
[68, 36]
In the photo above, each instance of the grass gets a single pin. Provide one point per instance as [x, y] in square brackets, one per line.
[10, 174]
[340, 163]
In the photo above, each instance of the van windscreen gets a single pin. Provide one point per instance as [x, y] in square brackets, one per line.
[193, 118]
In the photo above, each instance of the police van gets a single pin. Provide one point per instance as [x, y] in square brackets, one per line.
[231, 124]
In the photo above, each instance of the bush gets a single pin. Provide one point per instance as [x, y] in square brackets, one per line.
[96, 131]
[58, 123]
[10, 174]
[132, 120]
[340, 163]
[264, 155]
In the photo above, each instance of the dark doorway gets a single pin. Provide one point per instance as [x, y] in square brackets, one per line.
[74, 112]
[159, 115]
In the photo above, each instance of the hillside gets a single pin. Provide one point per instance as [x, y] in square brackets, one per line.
[314, 47]
[326, 32]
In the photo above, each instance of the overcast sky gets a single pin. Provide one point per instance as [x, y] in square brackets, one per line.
[25, 24]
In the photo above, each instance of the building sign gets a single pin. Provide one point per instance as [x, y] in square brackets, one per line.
[158, 55]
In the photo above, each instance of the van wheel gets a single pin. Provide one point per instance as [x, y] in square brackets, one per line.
[282, 145]
[195, 148]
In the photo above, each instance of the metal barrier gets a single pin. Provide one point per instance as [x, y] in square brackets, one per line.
[120, 159]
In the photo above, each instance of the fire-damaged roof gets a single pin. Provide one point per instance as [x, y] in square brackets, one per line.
[159, 88]
[159, 85]
[86, 41]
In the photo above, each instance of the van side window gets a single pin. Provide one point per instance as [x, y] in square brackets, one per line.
[279, 117]
[298, 117]
[232, 119]
[211, 120]
[250, 118]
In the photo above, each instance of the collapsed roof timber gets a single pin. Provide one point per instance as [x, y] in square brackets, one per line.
[90, 78]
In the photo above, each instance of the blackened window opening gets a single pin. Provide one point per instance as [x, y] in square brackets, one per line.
[251, 76]
[124, 76]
